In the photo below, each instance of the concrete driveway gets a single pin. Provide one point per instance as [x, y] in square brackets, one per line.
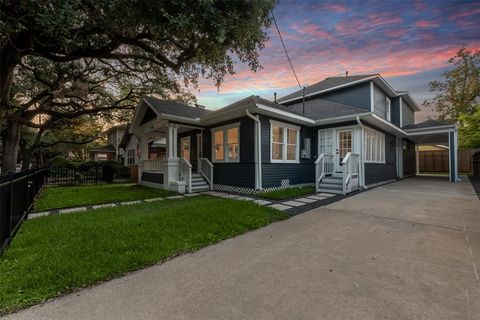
[407, 250]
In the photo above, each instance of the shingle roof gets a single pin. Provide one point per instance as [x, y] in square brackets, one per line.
[176, 108]
[426, 124]
[252, 100]
[318, 109]
[328, 83]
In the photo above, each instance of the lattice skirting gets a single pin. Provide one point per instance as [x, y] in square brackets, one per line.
[245, 190]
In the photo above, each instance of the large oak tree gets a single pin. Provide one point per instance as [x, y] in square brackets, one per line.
[187, 39]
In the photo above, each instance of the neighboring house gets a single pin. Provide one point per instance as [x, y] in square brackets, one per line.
[351, 132]
[111, 151]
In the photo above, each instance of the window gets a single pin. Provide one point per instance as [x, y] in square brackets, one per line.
[388, 109]
[131, 156]
[185, 148]
[285, 142]
[374, 145]
[226, 143]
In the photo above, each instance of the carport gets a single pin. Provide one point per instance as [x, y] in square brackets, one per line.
[433, 132]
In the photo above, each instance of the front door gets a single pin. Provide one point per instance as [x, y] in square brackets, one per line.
[344, 146]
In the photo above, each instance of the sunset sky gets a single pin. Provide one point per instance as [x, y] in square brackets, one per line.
[407, 42]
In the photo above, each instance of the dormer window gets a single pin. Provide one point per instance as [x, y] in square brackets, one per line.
[388, 109]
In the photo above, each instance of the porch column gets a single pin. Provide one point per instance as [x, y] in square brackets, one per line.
[453, 155]
[172, 138]
[171, 170]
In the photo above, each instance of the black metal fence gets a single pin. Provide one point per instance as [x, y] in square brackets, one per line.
[17, 194]
[68, 176]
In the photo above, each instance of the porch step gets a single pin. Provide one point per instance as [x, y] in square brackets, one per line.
[199, 183]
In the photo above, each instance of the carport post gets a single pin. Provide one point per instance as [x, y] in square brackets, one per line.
[417, 160]
[453, 155]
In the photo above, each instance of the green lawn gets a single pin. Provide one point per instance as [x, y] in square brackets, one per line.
[57, 254]
[72, 196]
[286, 193]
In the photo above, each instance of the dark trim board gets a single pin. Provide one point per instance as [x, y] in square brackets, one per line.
[152, 177]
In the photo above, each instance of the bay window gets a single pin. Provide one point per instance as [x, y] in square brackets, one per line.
[285, 142]
[374, 144]
[225, 143]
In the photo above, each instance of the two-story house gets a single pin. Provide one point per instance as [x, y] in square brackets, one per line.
[341, 134]
[111, 151]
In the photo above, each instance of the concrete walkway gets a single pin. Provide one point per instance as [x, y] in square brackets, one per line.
[407, 250]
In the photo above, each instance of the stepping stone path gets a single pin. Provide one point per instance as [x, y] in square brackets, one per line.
[310, 202]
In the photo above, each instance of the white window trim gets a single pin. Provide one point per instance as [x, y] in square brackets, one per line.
[225, 148]
[388, 109]
[375, 132]
[285, 137]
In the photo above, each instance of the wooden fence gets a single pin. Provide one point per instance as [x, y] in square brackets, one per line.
[437, 161]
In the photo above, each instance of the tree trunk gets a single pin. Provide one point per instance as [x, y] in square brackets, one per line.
[26, 156]
[10, 151]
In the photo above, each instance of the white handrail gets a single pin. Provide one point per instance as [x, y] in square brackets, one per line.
[323, 166]
[206, 170]
[186, 173]
[350, 170]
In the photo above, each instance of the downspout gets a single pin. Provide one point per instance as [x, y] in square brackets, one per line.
[258, 160]
[362, 166]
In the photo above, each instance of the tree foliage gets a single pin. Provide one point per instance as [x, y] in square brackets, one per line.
[66, 59]
[458, 96]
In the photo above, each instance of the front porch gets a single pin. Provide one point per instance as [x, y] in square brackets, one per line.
[174, 170]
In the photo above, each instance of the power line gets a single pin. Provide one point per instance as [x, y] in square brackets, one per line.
[286, 52]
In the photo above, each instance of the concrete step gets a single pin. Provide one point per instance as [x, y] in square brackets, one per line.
[332, 181]
[330, 186]
[328, 190]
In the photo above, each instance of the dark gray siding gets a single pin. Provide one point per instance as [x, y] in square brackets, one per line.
[379, 172]
[356, 96]
[409, 159]
[379, 102]
[408, 116]
[240, 174]
[295, 173]
[396, 111]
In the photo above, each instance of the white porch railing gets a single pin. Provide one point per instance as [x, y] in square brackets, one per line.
[350, 172]
[206, 170]
[185, 171]
[323, 166]
[153, 165]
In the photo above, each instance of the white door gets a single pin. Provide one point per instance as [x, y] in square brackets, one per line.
[344, 146]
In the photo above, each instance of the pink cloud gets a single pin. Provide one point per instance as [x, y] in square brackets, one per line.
[427, 24]
[338, 8]
[397, 32]
[464, 14]
[381, 19]
[311, 29]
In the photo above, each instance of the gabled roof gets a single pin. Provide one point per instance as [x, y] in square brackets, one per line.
[427, 124]
[318, 109]
[328, 83]
[254, 100]
[175, 108]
